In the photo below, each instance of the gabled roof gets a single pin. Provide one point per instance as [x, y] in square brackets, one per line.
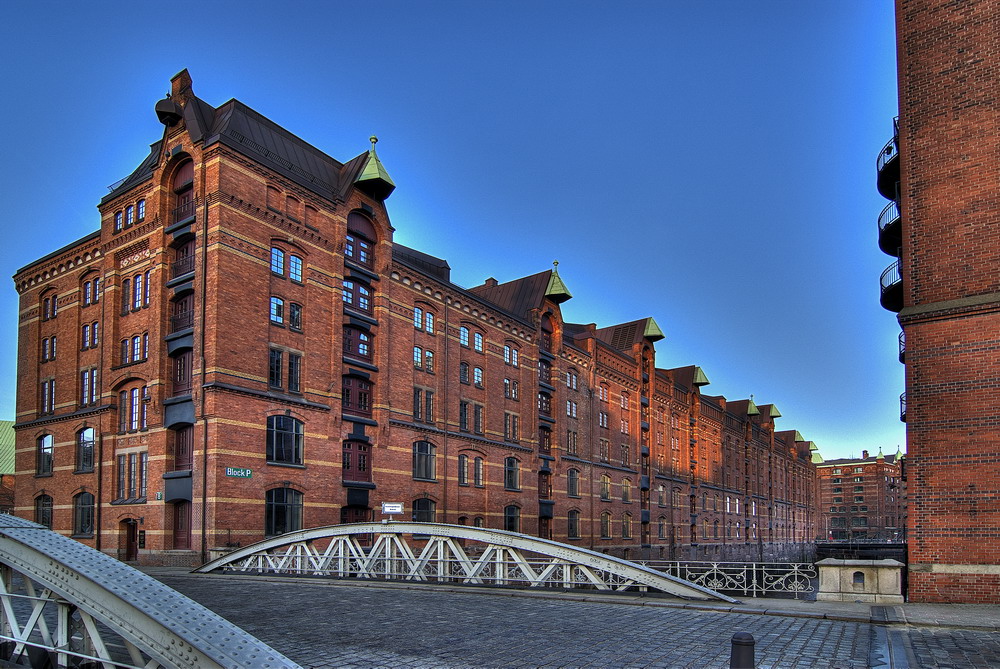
[436, 267]
[689, 376]
[239, 127]
[519, 296]
[625, 335]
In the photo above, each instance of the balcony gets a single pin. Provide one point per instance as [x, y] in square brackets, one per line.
[902, 407]
[890, 230]
[887, 165]
[902, 347]
[891, 297]
[184, 212]
[181, 321]
[182, 267]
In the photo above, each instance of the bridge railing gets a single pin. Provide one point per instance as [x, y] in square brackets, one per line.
[753, 579]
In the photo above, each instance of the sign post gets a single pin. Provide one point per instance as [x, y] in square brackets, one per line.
[391, 509]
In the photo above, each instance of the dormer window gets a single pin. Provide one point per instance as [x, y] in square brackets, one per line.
[360, 240]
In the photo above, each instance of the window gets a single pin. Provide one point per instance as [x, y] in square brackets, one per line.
[512, 518]
[544, 403]
[277, 261]
[625, 401]
[511, 427]
[277, 310]
[544, 439]
[418, 357]
[602, 419]
[129, 215]
[282, 511]
[418, 318]
[606, 525]
[477, 473]
[624, 426]
[603, 392]
[183, 448]
[357, 295]
[294, 373]
[425, 510]
[284, 440]
[573, 483]
[463, 372]
[477, 418]
[424, 454]
[359, 245]
[477, 377]
[463, 416]
[510, 355]
[510, 389]
[858, 479]
[429, 361]
[88, 337]
[48, 402]
[463, 469]
[91, 291]
[118, 221]
[132, 409]
[571, 442]
[859, 470]
[626, 490]
[571, 408]
[275, 368]
[627, 526]
[295, 268]
[463, 336]
[605, 487]
[571, 380]
[89, 393]
[43, 511]
[48, 349]
[43, 455]
[544, 372]
[357, 396]
[295, 316]
[477, 342]
[140, 213]
[357, 343]
[429, 323]
[626, 455]
[357, 465]
[511, 474]
[132, 472]
[573, 524]
[859, 498]
[605, 450]
[83, 515]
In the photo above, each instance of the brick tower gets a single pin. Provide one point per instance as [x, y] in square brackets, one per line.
[942, 172]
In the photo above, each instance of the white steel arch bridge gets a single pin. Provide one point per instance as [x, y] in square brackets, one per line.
[454, 554]
[64, 604]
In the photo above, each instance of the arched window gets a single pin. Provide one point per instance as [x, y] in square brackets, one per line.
[118, 221]
[282, 511]
[357, 464]
[140, 210]
[627, 526]
[83, 515]
[295, 268]
[424, 456]
[477, 342]
[277, 261]
[463, 336]
[545, 342]
[477, 473]
[425, 511]
[477, 377]
[463, 469]
[357, 295]
[85, 450]
[284, 440]
[573, 483]
[544, 485]
[661, 528]
[132, 409]
[626, 490]
[544, 403]
[511, 474]
[573, 524]
[43, 511]
[129, 215]
[605, 487]
[357, 343]
[463, 372]
[183, 187]
[512, 518]
[359, 243]
[277, 312]
[43, 455]
[510, 355]
[606, 525]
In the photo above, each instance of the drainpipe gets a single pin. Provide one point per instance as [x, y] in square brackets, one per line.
[201, 359]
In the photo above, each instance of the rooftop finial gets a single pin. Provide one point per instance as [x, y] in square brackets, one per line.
[374, 140]
[555, 264]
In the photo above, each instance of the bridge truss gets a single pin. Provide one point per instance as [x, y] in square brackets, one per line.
[66, 604]
[440, 553]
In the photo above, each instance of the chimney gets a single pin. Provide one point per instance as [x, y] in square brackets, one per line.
[180, 86]
[490, 282]
[864, 455]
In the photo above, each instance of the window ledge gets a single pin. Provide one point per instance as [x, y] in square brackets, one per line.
[285, 464]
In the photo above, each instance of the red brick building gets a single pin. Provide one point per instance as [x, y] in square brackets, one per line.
[942, 173]
[241, 350]
[861, 499]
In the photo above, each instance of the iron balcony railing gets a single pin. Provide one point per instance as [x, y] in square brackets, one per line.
[902, 407]
[181, 321]
[889, 151]
[888, 216]
[902, 346]
[890, 277]
[184, 211]
[182, 267]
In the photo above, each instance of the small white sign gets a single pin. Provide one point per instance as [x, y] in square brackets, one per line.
[392, 508]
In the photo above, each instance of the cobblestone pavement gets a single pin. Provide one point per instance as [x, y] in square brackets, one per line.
[322, 625]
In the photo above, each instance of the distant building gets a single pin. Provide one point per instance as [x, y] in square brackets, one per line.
[861, 499]
[941, 174]
[6, 466]
[241, 350]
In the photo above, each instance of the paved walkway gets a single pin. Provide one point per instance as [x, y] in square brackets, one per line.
[322, 623]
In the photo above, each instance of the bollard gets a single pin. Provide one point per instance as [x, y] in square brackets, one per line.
[741, 655]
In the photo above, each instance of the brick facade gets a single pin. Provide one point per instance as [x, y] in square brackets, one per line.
[945, 178]
[267, 358]
[861, 499]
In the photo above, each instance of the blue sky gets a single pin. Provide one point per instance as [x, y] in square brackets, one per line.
[710, 164]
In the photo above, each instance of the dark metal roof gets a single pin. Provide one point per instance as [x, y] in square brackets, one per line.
[141, 174]
[436, 267]
[519, 296]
